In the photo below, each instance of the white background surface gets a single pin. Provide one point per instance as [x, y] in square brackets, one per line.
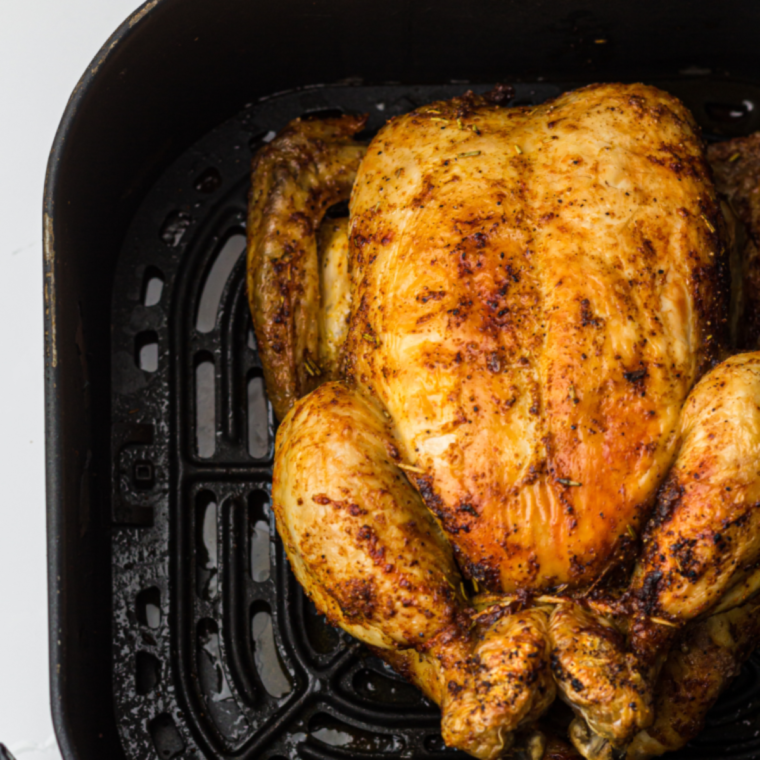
[45, 45]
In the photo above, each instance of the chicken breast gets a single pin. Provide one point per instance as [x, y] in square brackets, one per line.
[310, 167]
[535, 292]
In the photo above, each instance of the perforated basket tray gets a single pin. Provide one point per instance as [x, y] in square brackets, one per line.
[216, 651]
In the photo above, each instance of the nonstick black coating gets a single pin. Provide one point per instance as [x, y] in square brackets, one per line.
[125, 484]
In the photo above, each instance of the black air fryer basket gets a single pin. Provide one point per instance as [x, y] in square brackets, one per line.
[177, 629]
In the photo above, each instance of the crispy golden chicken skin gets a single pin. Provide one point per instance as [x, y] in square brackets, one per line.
[704, 536]
[594, 676]
[374, 560]
[532, 304]
[508, 366]
[309, 167]
[705, 659]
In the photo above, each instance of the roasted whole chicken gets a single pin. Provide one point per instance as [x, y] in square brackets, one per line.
[519, 451]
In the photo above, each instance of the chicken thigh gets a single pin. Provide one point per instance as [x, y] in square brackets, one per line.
[497, 362]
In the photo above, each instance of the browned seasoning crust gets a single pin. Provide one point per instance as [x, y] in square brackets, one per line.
[533, 320]
[374, 560]
[706, 657]
[736, 165]
[704, 661]
[596, 675]
[704, 538]
[307, 168]
[533, 296]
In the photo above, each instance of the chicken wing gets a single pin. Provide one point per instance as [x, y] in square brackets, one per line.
[307, 168]
[335, 294]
